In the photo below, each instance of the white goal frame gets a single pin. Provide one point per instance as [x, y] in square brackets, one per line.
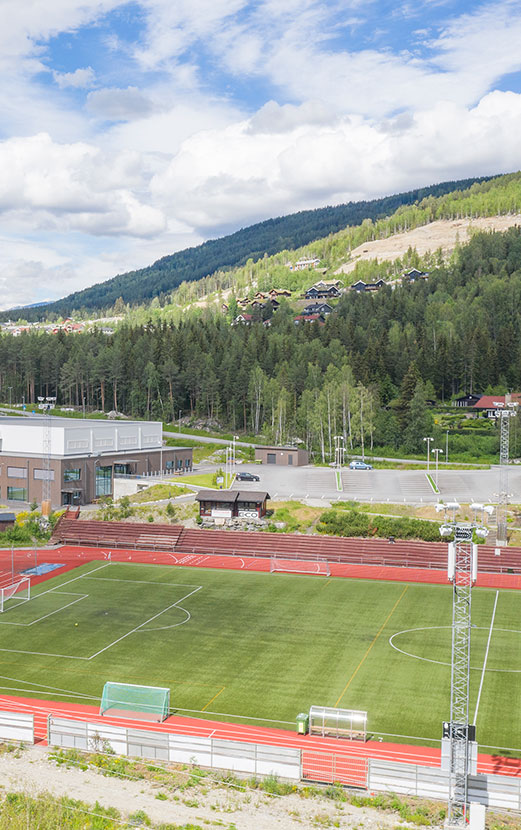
[21, 588]
[307, 567]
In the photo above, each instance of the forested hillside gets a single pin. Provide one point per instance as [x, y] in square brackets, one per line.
[269, 237]
[367, 372]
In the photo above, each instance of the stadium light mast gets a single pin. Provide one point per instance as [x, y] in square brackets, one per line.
[504, 416]
[462, 572]
[46, 404]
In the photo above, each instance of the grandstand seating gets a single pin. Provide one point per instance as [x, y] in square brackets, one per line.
[177, 539]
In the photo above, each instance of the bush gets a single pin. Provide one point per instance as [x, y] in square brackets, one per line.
[353, 523]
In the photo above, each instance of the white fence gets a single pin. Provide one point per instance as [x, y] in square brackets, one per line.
[255, 759]
[16, 726]
[498, 791]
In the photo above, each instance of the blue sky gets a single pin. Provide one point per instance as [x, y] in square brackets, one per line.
[131, 130]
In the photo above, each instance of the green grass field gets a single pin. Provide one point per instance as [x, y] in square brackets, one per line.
[267, 646]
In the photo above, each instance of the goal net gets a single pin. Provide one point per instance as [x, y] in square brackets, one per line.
[315, 567]
[125, 700]
[20, 590]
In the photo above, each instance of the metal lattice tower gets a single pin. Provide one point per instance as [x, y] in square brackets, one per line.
[501, 512]
[46, 405]
[462, 580]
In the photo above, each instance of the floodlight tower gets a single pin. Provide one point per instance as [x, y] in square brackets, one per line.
[504, 416]
[462, 572]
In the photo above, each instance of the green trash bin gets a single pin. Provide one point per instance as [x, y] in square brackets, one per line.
[303, 723]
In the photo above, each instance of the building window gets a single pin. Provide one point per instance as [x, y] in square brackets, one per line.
[179, 463]
[17, 472]
[16, 493]
[103, 481]
[77, 445]
[122, 469]
[72, 475]
[187, 462]
[169, 465]
[43, 475]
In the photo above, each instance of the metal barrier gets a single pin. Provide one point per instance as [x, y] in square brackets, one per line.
[256, 759]
[17, 726]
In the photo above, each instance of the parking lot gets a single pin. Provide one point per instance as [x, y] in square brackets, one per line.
[405, 486]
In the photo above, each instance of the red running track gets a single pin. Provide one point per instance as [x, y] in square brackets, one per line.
[72, 556]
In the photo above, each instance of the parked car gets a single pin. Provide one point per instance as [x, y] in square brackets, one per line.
[359, 465]
[246, 477]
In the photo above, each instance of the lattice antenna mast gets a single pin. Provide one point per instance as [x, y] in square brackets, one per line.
[504, 439]
[46, 404]
[462, 572]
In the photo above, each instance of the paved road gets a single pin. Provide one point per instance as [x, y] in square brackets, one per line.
[409, 486]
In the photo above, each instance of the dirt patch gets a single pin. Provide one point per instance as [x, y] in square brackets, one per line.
[444, 233]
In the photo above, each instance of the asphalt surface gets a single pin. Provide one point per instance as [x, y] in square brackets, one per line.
[399, 486]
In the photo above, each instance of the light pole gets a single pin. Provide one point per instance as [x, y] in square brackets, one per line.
[10, 390]
[447, 445]
[339, 460]
[436, 453]
[180, 411]
[428, 450]
[234, 439]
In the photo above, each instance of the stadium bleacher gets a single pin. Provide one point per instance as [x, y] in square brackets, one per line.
[176, 538]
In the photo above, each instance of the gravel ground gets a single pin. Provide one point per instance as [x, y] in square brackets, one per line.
[32, 772]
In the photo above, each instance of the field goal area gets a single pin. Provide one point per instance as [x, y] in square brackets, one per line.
[126, 700]
[317, 567]
[19, 590]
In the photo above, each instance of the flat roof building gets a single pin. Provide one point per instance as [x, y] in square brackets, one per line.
[287, 456]
[80, 457]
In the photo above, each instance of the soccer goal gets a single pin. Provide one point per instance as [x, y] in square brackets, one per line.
[21, 589]
[125, 700]
[317, 567]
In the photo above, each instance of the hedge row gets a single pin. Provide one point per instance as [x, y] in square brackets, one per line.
[353, 523]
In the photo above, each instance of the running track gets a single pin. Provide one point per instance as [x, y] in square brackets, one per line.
[348, 755]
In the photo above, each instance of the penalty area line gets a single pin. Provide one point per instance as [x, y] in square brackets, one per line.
[486, 658]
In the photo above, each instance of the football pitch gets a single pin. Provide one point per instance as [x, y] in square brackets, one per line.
[263, 646]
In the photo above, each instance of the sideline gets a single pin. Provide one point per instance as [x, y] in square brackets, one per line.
[486, 657]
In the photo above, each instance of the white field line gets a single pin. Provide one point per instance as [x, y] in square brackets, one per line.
[143, 623]
[74, 657]
[142, 581]
[486, 657]
[57, 611]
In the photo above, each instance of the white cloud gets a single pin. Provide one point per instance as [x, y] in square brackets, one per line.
[239, 175]
[120, 104]
[79, 79]
[76, 187]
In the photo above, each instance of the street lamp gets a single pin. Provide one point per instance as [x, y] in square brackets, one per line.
[180, 411]
[428, 450]
[339, 451]
[437, 452]
[234, 439]
[10, 390]
[447, 445]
